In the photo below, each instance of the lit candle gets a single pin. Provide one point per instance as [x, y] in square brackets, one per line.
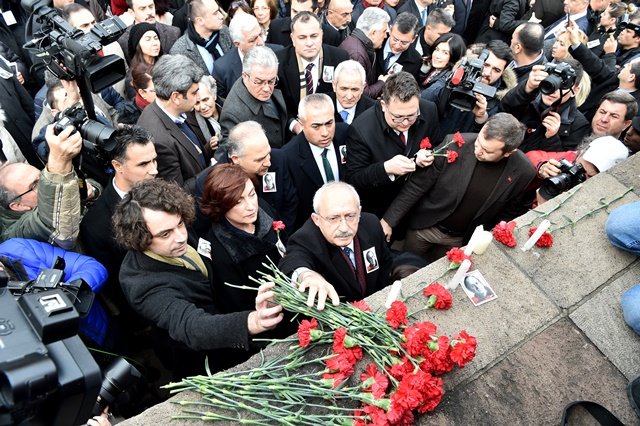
[482, 243]
[393, 293]
[536, 235]
[457, 278]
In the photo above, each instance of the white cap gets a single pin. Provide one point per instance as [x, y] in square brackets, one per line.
[605, 152]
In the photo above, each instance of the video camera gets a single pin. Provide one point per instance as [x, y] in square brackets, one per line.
[572, 174]
[47, 375]
[464, 82]
[561, 77]
[70, 54]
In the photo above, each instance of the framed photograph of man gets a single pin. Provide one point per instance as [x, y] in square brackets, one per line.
[477, 288]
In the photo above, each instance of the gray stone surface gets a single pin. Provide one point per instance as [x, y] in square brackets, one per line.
[532, 385]
[581, 259]
[600, 318]
[628, 173]
[555, 333]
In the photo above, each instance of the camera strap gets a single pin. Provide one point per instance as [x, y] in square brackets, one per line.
[82, 177]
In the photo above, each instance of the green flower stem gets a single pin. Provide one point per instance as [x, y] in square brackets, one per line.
[603, 205]
[542, 215]
[419, 291]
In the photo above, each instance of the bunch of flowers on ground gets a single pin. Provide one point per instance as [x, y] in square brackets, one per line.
[314, 384]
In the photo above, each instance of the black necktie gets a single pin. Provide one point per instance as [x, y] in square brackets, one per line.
[387, 60]
[328, 171]
[184, 127]
[350, 255]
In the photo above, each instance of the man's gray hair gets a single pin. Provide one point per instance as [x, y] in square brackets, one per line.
[372, 18]
[259, 56]
[351, 67]
[506, 128]
[321, 193]
[239, 134]
[240, 23]
[174, 73]
[315, 99]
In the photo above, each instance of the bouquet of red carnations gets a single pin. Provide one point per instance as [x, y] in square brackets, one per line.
[402, 377]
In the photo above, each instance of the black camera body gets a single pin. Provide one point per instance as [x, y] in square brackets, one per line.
[95, 134]
[572, 175]
[561, 76]
[465, 82]
[71, 54]
[45, 369]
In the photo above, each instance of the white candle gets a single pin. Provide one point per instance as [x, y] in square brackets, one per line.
[536, 235]
[473, 240]
[457, 278]
[393, 293]
[482, 243]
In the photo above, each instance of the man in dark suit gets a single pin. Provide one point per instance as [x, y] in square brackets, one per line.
[307, 66]
[348, 88]
[448, 200]
[280, 29]
[527, 42]
[336, 20]
[398, 54]
[418, 8]
[439, 22]
[246, 34]
[248, 147]
[134, 160]
[461, 12]
[314, 157]
[181, 155]
[254, 97]
[145, 11]
[384, 140]
[330, 248]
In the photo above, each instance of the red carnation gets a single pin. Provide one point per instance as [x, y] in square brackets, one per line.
[438, 362]
[425, 143]
[304, 332]
[463, 348]
[456, 256]
[278, 225]
[439, 297]
[503, 232]
[397, 314]
[345, 344]
[417, 337]
[452, 156]
[362, 305]
[458, 139]
[545, 240]
[374, 381]
[400, 368]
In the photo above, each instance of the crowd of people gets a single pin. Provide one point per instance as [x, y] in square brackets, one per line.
[349, 142]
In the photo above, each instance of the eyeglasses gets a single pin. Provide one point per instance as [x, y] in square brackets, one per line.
[32, 187]
[401, 42]
[260, 82]
[401, 118]
[350, 218]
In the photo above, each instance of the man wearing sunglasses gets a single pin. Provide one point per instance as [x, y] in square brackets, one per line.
[43, 205]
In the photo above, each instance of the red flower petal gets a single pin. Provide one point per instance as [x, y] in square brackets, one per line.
[397, 314]
[278, 225]
[304, 331]
[503, 232]
[443, 299]
[425, 143]
[458, 139]
[452, 156]
[545, 240]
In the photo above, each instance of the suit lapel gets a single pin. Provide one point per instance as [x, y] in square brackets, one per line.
[308, 163]
[177, 134]
[340, 264]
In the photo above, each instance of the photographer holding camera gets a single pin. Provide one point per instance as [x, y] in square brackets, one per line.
[547, 103]
[561, 175]
[43, 205]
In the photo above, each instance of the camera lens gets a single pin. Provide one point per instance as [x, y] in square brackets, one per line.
[550, 84]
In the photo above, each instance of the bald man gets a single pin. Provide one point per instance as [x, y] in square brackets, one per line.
[43, 205]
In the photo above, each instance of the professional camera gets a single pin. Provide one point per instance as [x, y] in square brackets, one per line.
[561, 76]
[94, 133]
[70, 54]
[47, 375]
[465, 82]
[572, 174]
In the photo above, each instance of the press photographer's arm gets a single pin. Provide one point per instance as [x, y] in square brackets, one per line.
[43, 205]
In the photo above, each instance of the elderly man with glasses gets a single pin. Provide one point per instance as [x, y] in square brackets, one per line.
[383, 144]
[255, 98]
[43, 205]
